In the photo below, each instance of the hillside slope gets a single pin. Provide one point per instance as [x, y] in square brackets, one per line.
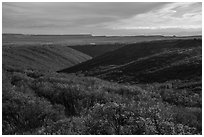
[169, 65]
[41, 57]
[147, 62]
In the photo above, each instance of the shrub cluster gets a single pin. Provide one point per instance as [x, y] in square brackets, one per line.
[59, 104]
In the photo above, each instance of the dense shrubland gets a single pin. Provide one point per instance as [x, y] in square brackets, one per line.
[51, 103]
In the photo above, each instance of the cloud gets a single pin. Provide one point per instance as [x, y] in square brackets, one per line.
[100, 18]
[170, 16]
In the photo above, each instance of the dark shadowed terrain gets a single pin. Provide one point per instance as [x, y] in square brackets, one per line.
[148, 62]
[97, 50]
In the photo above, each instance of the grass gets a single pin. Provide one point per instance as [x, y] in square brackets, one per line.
[43, 57]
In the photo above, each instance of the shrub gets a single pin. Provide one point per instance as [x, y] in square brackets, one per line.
[23, 113]
[113, 118]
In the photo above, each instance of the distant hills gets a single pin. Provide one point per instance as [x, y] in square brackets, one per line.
[158, 59]
[73, 40]
[155, 61]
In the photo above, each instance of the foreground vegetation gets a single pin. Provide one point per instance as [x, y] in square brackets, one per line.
[51, 103]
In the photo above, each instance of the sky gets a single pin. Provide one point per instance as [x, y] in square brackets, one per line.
[121, 18]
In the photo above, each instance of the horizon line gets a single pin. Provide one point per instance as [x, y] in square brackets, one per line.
[88, 34]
